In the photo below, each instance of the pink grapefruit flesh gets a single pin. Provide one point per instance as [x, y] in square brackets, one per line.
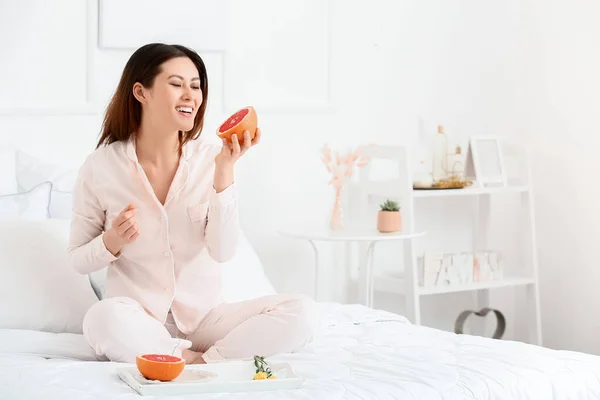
[159, 367]
[242, 120]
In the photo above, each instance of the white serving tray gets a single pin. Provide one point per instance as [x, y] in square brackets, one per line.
[224, 377]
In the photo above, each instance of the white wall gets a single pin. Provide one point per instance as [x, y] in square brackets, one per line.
[563, 84]
[342, 72]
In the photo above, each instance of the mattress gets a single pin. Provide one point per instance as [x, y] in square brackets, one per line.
[359, 353]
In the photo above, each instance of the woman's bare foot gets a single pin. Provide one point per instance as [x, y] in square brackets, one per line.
[192, 357]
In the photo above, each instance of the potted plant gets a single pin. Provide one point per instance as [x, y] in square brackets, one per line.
[389, 218]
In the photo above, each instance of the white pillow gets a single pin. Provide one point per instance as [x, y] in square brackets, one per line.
[30, 171]
[46, 344]
[243, 277]
[8, 176]
[38, 290]
[31, 205]
[61, 204]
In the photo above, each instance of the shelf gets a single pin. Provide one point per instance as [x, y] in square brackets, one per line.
[371, 191]
[469, 191]
[396, 285]
[500, 283]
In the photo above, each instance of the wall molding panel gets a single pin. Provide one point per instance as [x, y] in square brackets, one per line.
[200, 24]
[278, 61]
[41, 77]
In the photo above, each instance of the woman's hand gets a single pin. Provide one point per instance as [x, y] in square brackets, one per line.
[226, 159]
[231, 152]
[124, 230]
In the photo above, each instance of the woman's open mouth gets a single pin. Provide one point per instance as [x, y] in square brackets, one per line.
[185, 111]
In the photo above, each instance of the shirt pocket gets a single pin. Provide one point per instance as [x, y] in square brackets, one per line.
[198, 212]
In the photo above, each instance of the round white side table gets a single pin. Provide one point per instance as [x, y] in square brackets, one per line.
[371, 236]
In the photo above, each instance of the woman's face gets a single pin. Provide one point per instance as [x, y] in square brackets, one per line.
[175, 97]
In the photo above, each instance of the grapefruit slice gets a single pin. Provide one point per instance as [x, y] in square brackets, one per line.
[242, 120]
[159, 367]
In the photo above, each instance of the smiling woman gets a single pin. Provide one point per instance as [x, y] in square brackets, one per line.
[156, 76]
[149, 202]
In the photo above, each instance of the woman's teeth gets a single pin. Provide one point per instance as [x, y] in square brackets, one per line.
[186, 110]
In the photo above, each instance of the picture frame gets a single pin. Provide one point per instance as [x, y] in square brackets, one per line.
[485, 161]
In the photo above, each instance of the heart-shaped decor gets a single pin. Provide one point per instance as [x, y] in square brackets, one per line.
[500, 321]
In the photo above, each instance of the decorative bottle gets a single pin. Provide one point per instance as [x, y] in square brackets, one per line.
[440, 155]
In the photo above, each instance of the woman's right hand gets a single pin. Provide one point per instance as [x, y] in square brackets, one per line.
[123, 230]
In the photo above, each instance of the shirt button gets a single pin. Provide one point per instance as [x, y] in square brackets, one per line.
[164, 218]
[167, 254]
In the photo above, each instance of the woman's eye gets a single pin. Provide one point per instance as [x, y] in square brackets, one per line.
[196, 87]
[176, 85]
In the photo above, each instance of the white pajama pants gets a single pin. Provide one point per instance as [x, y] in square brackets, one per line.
[119, 329]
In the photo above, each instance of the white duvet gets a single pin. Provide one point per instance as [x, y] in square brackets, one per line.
[359, 354]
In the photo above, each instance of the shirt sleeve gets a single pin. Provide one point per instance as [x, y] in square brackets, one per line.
[222, 227]
[86, 249]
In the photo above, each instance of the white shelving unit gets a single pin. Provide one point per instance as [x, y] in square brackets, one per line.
[365, 194]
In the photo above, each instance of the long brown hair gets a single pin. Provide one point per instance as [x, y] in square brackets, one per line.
[124, 112]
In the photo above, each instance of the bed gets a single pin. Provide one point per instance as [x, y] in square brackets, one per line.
[359, 353]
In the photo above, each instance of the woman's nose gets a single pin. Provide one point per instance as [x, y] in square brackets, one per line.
[187, 92]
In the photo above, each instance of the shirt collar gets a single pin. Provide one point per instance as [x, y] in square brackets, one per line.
[130, 149]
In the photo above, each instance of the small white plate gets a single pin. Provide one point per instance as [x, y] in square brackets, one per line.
[225, 377]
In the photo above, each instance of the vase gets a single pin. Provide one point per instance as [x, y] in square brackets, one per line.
[337, 219]
[389, 221]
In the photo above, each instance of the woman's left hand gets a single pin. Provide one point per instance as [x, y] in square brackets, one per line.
[231, 152]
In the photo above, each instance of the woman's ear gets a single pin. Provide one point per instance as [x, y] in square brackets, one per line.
[139, 92]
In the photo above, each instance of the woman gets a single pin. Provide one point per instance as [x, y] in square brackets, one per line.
[148, 202]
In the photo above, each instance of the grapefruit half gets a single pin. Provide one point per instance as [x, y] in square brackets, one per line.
[242, 120]
[160, 367]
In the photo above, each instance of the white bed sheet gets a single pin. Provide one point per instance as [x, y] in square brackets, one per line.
[360, 354]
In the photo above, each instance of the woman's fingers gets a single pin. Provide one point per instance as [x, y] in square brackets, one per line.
[130, 232]
[247, 141]
[125, 225]
[236, 145]
[256, 137]
[135, 236]
[123, 217]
